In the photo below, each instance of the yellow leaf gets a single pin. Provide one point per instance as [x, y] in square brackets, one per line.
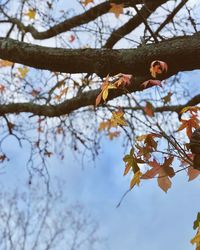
[118, 118]
[31, 14]
[85, 2]
[196, 239]
[5, 63]
[105, 94]
[23, 71]
[117, 9]
[136, 179]
[190, 108]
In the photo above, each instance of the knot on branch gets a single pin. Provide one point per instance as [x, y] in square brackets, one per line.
[195, 148]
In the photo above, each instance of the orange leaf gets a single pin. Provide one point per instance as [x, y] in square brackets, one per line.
[2, 88]
[152, 172]
[148, 109]
[189, 125]
[158, 67]
[151, 83]
[192, 173]
[5, 63]
[117, 9]
[127, 168]
[98, 99]
[163, 181]
[86, 2]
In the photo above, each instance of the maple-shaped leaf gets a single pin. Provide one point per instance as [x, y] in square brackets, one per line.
[192, 173]
[153, 171]
[113, 135]
[189, 124]
[86, 2]
[124, 80]
[136, 179]
[117, 9]
[167, 98]
[5, 63]
[149, 139]
[150, 83]
[118, 118]
[149, 109]
[163, 180]
[131, 162]
[196, 239]
[167, 168]
[158, 67]
[23, 71]
[106, 86]
[31, 14]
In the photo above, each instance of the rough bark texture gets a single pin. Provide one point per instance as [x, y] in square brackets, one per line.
[181, 53]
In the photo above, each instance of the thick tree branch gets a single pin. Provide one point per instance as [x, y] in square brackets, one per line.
[180, 53]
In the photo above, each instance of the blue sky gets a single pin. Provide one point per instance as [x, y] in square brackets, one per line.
[147, 218]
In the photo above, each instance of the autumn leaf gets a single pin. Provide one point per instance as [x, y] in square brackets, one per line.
[2, 88]
[117, 9]
[136, 179]
[113, 135]
[196, 222]
[192, 109]
[5, 63]
[72, 38]
[86, 2]
[31, 14]
[196, 239]
[149, 109]
[124, 80]
[163, 180]
[3, 157]
[167, 98]
[131, 161]
[166, 166]
[106, 86]
[158, 67]
[192, 173]
[118, 118]
[151, 83]
[189, 124]
[153, 171]
[35, 92]
[23, 71]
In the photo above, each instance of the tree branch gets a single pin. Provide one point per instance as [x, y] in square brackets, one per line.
[73, 22]
[133, 23]
[185, 49]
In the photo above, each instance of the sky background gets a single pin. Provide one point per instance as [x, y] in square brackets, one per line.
[148, 218]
